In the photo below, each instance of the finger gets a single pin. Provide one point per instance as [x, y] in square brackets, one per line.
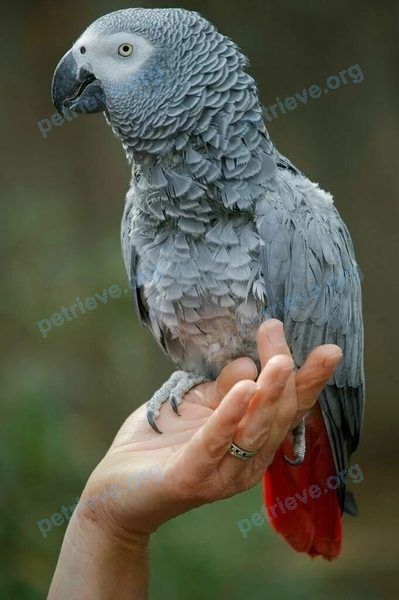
[310, 381]
[276, 393]
[210, 444]
[271, 340]
[237, 370]
[314, 375]
[255, 425]
[211, 393]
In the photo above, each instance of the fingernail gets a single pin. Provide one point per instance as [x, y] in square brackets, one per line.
[332, 359]
[275, 334]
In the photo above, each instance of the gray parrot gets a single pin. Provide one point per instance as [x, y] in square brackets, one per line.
[221, 232]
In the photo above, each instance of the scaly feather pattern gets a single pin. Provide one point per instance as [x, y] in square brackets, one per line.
[220, 232]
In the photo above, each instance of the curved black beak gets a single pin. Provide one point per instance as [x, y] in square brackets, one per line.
[75, 88]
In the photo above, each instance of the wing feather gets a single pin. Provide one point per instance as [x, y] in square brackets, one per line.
[312, 284]
[130, 258]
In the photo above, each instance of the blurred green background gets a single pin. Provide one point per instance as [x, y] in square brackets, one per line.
[64, 397]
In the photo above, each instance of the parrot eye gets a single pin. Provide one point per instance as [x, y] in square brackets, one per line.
[125, 50]
[82, 50]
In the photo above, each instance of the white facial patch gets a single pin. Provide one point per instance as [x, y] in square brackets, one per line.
[99, 54]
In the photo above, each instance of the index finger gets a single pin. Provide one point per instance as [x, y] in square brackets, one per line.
[211, 443]
[271, 340]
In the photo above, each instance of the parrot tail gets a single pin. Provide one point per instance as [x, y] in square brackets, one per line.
[302, 501]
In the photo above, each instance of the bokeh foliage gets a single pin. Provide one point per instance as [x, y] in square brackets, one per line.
[64, 397]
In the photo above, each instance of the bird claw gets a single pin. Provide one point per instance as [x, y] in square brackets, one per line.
[175, 405]
[151, 420]
[294, 462]
[173, 390]
[299, 435]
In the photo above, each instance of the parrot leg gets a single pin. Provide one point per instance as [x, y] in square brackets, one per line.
[173, 390]
[299, 435]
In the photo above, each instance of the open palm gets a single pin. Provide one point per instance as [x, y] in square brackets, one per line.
[146, 478]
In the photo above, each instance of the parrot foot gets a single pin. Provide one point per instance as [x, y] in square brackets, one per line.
[173, 390]
[299, 435]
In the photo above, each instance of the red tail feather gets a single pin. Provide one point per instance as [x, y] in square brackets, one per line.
[300, 501]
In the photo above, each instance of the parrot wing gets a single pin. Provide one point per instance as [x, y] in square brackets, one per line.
[312, 284]
[131, 262]
[130, 258]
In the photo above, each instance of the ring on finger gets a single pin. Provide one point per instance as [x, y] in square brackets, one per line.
[240, 453]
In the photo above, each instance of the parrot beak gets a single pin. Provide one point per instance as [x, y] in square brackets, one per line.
[75, 88]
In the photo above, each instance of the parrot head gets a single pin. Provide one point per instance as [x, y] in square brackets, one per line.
[151, 71]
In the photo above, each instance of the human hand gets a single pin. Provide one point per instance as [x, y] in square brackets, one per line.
[146, 479]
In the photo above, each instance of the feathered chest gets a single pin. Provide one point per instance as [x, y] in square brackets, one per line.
[191, 258]
[197, 268]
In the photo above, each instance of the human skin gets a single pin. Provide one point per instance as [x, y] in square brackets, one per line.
[105, 550]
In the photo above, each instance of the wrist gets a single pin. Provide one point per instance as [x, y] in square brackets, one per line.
[100, 561]
[106, 507]
[96, 521]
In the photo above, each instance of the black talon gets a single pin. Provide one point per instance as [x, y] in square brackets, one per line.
[174, 405]
[152, 422]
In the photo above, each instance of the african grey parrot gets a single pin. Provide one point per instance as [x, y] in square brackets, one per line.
[221, 232]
